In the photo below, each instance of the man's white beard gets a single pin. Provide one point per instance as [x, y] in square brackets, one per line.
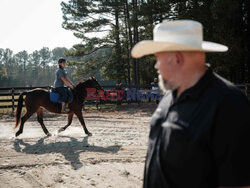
[165, 85]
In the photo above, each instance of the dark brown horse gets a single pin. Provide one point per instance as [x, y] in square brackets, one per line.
[39, 98]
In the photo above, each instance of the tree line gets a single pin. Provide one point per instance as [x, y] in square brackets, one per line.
[38, 68]
[109, 29]
[24, 69]
[116, 25]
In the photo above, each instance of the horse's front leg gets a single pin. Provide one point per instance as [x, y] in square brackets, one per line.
[70, 117]
[79, 115]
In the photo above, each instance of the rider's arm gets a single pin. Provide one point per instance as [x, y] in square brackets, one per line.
[67, 82]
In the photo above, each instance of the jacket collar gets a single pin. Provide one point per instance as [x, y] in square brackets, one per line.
[195, 91]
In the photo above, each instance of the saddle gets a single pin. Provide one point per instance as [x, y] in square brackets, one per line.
[54, 96]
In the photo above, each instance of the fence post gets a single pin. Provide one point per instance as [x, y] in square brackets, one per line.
[96, 104]
[13, 99]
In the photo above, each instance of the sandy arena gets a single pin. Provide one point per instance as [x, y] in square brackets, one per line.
[113, 157]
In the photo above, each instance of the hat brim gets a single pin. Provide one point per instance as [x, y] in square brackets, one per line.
[148, 47]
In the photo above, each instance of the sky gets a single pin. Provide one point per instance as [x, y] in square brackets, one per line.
[33, 24]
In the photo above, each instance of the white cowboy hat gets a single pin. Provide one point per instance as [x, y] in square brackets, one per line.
[178, 35]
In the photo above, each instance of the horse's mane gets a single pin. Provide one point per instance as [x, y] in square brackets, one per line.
[79, 92]
[83, 80]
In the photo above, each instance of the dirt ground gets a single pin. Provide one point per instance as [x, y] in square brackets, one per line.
[113, 157]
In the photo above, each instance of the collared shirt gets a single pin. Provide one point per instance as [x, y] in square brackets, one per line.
[200, 139]
[60, 73]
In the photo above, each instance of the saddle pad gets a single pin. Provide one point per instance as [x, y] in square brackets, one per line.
[55, 97]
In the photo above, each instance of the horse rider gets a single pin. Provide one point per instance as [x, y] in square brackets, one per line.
[61, 79]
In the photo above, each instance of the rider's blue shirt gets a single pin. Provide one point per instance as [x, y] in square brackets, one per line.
[60, 73]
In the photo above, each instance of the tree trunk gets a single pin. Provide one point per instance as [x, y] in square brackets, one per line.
[247, 42]
[130, 42]
[136, 39]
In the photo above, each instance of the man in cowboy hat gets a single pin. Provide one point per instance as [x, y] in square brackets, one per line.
[199, 135]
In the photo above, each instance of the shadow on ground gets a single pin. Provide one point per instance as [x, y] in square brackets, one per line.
[71, 150]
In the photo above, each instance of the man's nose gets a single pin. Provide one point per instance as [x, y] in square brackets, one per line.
[157, 65]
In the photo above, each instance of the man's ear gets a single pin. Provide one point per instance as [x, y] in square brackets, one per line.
[179, 58]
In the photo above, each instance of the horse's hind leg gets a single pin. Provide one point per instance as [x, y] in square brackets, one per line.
[70, 117]
[40, 120]
[23, 119]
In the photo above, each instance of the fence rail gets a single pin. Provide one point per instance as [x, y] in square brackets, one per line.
[15, 91]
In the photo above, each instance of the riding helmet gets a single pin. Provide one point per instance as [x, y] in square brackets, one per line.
[61, 60]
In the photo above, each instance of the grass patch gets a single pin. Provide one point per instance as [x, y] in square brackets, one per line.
[100, 106]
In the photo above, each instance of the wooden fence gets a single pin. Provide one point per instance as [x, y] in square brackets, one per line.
[10, 93]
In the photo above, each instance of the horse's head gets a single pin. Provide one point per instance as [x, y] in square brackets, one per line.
[95, 84]
[90, 82]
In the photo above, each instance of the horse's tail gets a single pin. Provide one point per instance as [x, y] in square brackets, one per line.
[19, 109]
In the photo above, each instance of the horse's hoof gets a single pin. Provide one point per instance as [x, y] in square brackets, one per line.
[49, 134]
[18, 133]
[61, 130]
[89, 134]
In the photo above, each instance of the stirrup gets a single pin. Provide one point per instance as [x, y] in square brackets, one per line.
[65, 110]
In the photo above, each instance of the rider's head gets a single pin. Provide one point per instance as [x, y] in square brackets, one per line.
[61, 62]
